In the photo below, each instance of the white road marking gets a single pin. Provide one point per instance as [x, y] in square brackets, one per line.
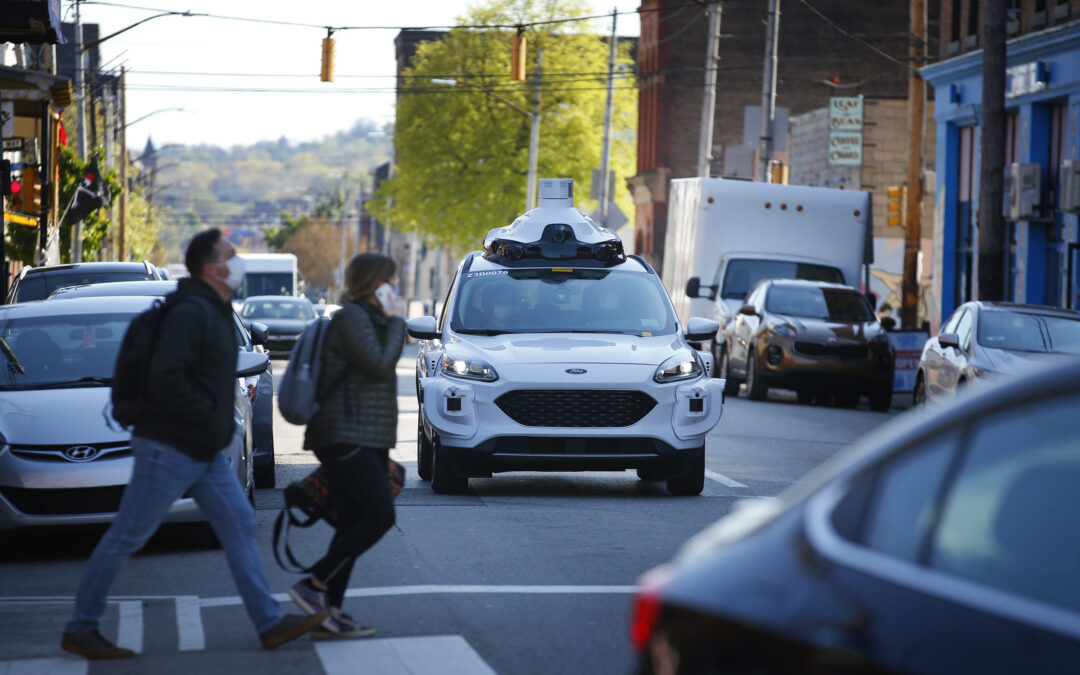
[437, 589]
[434, 655]
[54, 665]
[189, 623]
[130, 631]
[721, 478]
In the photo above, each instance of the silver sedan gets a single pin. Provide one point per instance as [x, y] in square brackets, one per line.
[62, 460]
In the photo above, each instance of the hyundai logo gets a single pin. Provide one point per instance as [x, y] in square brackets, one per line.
[81, 453]
[576, 371]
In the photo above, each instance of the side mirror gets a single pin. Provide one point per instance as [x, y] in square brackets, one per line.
[249, 364]
[748, 310]
[260, 332]
[700, 330]
[423, 328]
[949, 340]
[693, 287]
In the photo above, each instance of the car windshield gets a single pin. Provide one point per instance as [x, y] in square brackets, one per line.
[72, 350]
[561, 301]
[278, 309]
[830, 304]
[1027, 332]
[41, 286]
[744, 273]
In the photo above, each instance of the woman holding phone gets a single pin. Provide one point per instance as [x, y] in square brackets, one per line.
[352, 434]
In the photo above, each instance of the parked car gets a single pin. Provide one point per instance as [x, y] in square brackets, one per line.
[815, 337]
[557, 352]
[286, 316]
[325, 309]
[944, 542]
[987, 341]
[38, 283]
[62, 460]
[250, 336]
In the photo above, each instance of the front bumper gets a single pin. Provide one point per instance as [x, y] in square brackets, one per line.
[480, 437]
[280, 346]
[780, 364]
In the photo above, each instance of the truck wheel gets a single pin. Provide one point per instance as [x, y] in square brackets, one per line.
[423, 452]
[446, 479]
[755, 388]
[692, 482]
[731, 385]
[881, 401]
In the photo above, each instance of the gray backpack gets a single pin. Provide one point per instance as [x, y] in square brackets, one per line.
[296, 395]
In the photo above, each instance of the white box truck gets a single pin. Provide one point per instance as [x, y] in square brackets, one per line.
[724, 236]
[267, 274]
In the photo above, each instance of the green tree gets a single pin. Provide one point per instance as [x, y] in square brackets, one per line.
[462, 156]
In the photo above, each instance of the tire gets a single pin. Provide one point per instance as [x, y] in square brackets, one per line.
[846, 399]
[446, 479]
[265, 476]
[804, 396]
[881, 401]
[755, 388]
[423, 452]
[918, 397]
[692, 482]
[731, 385]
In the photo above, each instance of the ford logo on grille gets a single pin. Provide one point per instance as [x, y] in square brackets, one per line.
[576, 371]
[81, 453]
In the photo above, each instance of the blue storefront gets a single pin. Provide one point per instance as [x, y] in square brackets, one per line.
[1042, 119]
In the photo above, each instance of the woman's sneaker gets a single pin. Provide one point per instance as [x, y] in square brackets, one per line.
[308, 598]
[340, 625]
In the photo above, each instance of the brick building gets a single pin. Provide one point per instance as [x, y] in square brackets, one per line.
[816, 60]
[1042, 105]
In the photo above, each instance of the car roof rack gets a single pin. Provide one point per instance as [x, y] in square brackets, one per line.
[555, 232]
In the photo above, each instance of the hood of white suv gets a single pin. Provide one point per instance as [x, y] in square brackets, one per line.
[563, 348]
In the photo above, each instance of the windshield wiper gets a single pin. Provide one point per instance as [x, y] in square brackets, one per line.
[81, 382]
[483, 331]
[13, 360]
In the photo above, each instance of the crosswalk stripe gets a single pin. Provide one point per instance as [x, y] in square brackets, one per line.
[54, 665]
[189, 623]
[432, 655]
[129, 633]
[722, 479]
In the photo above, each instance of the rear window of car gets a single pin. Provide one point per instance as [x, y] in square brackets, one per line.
[41, 286]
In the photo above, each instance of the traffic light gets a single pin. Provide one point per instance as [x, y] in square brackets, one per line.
[327, 72]
[29, 200]
[517, 57]
[895, 209]
[8, 185]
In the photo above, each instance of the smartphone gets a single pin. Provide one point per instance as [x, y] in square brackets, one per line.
[384, 294]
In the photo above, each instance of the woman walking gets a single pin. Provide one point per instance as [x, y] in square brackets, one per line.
[353, 432]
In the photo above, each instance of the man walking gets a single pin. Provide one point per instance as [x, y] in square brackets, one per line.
[178, 443]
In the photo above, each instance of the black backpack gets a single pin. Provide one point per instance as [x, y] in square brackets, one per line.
[131, 373]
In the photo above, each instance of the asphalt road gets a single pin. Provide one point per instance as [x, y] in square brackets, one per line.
[527, 573]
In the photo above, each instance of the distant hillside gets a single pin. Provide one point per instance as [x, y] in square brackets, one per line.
[247, 187]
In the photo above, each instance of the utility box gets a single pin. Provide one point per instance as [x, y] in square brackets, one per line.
[1023, 191]
[1070, 186]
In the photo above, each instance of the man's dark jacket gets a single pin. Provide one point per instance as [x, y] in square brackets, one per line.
[192, 381]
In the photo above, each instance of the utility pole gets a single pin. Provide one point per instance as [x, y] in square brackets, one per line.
[122, 123]
[909, 306]
[708, 99]
[534, 135]
[991, 220]
[80, 103]
[768, 89]
[609, 109]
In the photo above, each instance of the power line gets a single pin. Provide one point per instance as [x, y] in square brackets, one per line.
[855, 37]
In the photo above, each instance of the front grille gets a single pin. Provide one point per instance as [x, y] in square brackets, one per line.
[55, 453]
[75, 501]
[580, 408]
[562, 445]
[820, 349]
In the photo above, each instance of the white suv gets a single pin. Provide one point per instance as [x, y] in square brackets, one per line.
[556, 352]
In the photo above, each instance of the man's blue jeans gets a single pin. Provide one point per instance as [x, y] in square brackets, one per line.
[162, 475]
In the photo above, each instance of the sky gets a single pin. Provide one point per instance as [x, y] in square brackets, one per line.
[199, 64]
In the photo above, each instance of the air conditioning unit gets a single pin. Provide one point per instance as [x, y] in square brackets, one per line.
[1069, 186]
[1023, 191]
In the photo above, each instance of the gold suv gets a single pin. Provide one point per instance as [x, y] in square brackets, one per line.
[817, 338]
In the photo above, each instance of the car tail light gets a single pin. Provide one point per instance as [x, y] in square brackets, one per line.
[647, 605]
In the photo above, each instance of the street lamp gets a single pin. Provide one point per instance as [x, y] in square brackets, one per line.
[151, 114]
[534, 118]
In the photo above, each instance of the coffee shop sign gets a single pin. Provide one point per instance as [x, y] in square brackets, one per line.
[846, 113]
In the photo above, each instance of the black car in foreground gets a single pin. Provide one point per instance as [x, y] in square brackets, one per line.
[945, 542]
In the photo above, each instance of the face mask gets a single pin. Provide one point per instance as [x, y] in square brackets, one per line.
[236, 272]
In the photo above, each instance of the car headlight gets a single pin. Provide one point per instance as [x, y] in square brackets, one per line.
[469, 369]
[679, 367]
[783, 330]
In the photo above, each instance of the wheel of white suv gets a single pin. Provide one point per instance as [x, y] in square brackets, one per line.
[446, 479]
[692, 482]
[423, 451]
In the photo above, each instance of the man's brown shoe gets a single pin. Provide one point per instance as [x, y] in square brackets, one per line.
[290, 627]
[93, 645]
